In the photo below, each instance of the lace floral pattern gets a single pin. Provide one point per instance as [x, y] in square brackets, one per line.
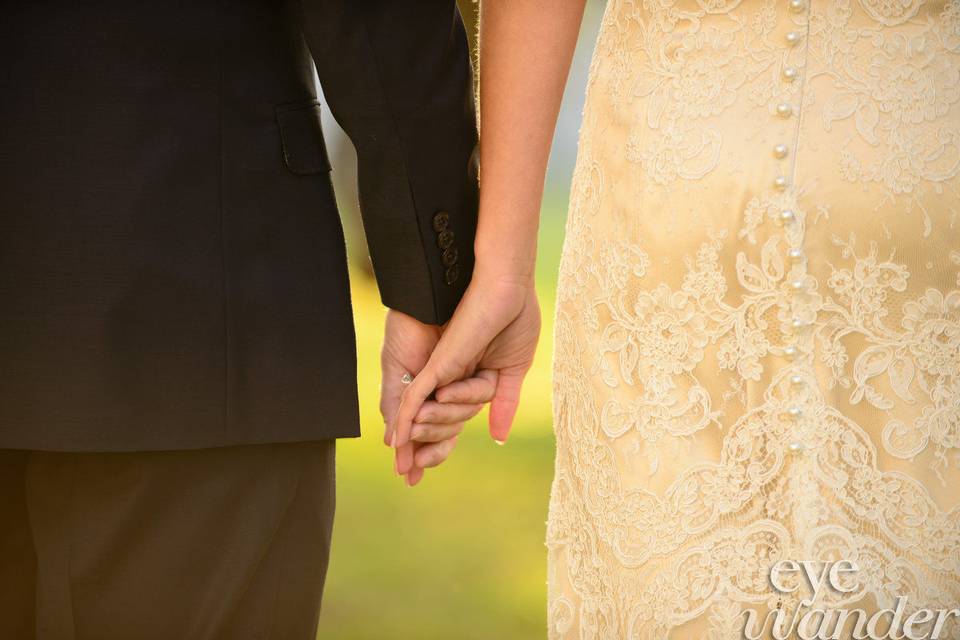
[758, 319]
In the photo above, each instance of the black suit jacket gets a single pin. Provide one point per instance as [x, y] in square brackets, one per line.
[172, 266]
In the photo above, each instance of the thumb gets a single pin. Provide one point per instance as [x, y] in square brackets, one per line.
[506, 400]
[411, 400]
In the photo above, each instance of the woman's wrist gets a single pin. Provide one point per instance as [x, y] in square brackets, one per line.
[507, 254]
[498, 265]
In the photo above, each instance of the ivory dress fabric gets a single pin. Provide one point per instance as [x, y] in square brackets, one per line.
[758, 323]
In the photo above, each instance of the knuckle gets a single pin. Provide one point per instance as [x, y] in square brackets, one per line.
[449, 395]
[424, 433]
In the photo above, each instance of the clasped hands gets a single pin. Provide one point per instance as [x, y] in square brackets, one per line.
[480, 356]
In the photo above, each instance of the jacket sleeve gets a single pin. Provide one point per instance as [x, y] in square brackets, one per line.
[398, 79]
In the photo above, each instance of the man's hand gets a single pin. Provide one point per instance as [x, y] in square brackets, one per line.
[407, 345]
[494, 332]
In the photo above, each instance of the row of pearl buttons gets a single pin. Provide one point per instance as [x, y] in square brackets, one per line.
[787, 216]
[785, 109]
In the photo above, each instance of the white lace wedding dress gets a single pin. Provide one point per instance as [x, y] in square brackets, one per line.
[758, 324]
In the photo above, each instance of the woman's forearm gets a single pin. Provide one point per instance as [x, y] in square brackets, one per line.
[526, 48]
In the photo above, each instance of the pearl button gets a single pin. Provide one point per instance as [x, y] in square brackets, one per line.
[793, 37]
[797, 285]
[790, 352]
[796, 380]
[795, 254]
[790, 73]
[780, 182]
[797, 6]
[787, 215]
[780, 151]
[797, 323]
[796, 447]
[795, 412]
[784, 110]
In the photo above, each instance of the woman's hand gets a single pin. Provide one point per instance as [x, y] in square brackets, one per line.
[407, 345]
[494, 333]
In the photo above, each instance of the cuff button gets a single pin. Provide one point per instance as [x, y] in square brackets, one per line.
[452, 274]
[449, 257]
[440, 221]
[445, 239]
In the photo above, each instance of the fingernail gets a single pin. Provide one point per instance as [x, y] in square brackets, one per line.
[393, 440]
[500, 442]
[406, 479]
[416, 432]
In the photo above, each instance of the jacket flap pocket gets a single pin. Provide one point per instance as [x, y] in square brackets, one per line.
[301, 138]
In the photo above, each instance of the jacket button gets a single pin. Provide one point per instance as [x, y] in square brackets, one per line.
[452, 274]
[449, 257]
[445, 239]
[440, 221]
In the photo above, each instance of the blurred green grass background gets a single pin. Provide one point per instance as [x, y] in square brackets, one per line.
[461, 555]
